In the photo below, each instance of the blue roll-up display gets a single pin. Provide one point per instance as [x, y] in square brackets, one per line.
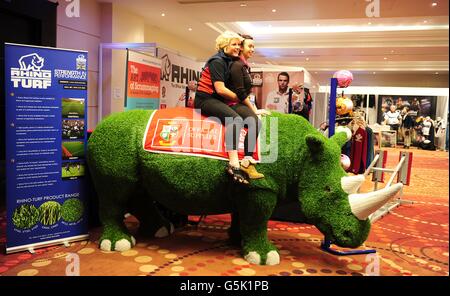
[46, 136]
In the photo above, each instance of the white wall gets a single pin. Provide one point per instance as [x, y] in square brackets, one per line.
[83, 33]
[130, 28]
[179, 45]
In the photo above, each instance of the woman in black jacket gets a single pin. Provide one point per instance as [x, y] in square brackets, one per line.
[240, 82]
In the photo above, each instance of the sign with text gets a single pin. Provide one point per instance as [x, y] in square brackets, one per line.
[176, 72]
[183, 131]
[143, 79]
[46, 118]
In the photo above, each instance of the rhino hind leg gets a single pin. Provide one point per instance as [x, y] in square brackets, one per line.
[151, 222]
[112, 208]
[115, 236]
[234, 233]
[116, 239]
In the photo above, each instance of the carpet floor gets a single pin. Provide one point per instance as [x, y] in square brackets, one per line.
[411, 240]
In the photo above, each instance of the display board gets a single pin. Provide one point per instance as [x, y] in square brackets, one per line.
[46, 124]
[419, 106]
[142, 81]
[275, 88]
[176, 72]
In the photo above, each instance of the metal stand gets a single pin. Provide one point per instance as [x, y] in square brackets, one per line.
[326, 247]
[402, 171]
[326, 244]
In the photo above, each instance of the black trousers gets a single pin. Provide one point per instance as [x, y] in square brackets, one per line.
[234, 118]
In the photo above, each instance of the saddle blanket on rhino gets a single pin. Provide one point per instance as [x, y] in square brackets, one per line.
[184, 131]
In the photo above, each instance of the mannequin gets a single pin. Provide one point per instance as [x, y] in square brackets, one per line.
[440, 130]
[427, 125]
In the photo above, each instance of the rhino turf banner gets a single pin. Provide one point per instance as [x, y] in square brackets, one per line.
[176, 72]
[46, 115]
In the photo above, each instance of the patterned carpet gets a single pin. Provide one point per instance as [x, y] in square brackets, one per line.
[411, 240]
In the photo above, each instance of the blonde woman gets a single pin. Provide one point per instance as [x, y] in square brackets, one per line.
[212, 95]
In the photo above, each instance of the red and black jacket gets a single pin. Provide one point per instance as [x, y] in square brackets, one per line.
[217, 68]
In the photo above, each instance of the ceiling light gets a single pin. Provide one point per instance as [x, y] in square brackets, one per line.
[436, 73]
[434, 4]
[190, 29]
[163, 14]
[369, 23]
[263, 30]
[243, 5]
[385, 58]
[307, 59]
[374, 72]
[302, 51]
[392, 51]
[425, 21]
[274, 10]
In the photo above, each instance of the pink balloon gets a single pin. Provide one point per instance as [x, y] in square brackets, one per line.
[345, 162]
[344, 77]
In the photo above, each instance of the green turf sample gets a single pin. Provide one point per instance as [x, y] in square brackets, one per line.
[49, 213]
[25, 216]
[72, 210]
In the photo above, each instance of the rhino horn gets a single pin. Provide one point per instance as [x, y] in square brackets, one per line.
[364, 204]
[351, 184]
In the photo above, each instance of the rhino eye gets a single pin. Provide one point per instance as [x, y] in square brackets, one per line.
[327, 188]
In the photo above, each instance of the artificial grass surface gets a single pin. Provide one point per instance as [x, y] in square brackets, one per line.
[298, 162]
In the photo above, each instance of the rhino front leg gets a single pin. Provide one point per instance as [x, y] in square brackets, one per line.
[254, 213]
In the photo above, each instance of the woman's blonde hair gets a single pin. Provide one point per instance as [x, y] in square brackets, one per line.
[225, 38]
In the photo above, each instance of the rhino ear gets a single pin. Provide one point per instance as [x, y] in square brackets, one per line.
[315, 144]
[342, 135]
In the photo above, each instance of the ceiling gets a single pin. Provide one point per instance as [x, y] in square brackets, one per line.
[404, 41]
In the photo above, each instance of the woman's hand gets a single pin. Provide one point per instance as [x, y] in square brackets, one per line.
[262, 112]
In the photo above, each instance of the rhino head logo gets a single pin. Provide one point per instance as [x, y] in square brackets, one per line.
[166, 67]
[31, 62]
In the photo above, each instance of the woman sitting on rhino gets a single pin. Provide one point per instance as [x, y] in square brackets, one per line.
[215, 99]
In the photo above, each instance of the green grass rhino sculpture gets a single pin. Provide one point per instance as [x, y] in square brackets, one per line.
[307, 170]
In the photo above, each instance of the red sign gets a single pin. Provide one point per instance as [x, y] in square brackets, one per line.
[184, 131]
[143, 81]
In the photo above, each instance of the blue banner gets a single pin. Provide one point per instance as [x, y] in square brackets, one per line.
[46, 135]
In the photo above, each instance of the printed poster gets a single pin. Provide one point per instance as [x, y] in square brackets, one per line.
[46, 124]
[143, 80]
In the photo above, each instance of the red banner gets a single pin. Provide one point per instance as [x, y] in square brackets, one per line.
[184, 131]
[143, 81]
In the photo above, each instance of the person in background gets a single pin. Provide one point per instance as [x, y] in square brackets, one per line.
[212, 95]
[406, 126]
[392, 118]
[427, 126]
[277, 100]
[191, 89]
[415, 108]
